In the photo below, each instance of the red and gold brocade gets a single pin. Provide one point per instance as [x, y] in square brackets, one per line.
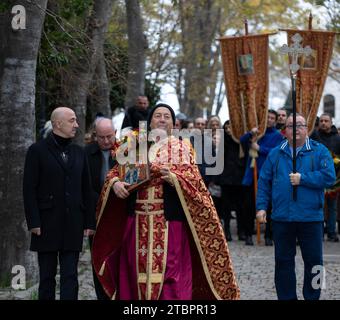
[212, 271]
[151, 236]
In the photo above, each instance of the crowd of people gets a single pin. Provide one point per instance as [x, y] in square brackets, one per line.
[168, 238]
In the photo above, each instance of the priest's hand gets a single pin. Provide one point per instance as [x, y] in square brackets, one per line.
[261, 216]
[295, 178]
[120, 190]
[166, 175]
[36, 231]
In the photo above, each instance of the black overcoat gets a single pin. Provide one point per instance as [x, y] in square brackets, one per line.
[94, 157]
[57, 196]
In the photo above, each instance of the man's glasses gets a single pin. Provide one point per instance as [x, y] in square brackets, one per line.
[298, 126]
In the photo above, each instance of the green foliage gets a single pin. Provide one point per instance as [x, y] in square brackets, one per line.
[75, 8]
[63, 50]
[5, 6]
[34, 295]
[5, 280]
[117, 73]
[63, 43]
[265, 15]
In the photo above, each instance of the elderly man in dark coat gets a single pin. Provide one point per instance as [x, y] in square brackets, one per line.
[58, 204]
[100, 162]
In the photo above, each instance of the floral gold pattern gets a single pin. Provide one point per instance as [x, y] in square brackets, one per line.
[310, 82]
[247, 93]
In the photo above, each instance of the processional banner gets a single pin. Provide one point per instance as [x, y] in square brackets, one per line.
[245, 66]
[313, 71]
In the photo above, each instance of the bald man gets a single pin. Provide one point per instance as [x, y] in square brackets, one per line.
[100, 161]
[58, 204]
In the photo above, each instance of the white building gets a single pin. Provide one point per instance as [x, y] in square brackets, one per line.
[331, 96]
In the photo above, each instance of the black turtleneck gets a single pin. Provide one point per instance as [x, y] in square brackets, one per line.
[280, 126]
[60, 141]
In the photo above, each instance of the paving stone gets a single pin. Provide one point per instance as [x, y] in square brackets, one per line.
[253, 265]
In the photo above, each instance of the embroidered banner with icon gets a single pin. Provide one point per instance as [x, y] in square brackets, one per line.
[245, 66]
[313, 71]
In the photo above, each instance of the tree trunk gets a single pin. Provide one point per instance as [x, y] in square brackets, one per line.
[17, 133]
[101, 88]
[200, 22]
[84, 69]
[220, 96]
[136, 52]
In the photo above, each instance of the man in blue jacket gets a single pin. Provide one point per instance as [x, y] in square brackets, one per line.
[261, 147]
[302, 219]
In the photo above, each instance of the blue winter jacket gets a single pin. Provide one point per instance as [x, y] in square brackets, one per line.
[270, 140]
[314, 163]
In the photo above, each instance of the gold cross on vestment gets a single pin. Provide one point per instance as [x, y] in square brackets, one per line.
[296, 50]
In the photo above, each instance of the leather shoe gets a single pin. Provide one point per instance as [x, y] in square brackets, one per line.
[333, 238]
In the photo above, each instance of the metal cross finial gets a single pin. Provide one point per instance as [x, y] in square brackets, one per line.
[296, 50]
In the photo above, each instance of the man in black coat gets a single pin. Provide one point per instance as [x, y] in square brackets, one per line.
[230, 181]
[328, 136]
[204, 144]
[100, 161]
[136, 113]
[58, 204]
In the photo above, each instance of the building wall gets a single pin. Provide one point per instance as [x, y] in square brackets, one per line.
[332, 87]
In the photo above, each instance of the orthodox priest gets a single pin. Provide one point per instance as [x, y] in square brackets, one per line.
[163, 241]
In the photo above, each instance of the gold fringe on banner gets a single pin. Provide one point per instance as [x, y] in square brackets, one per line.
[313, 71]
[245, 66]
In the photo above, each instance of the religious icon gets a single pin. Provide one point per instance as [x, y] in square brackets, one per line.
[134, 174]
[309, 62]
[131, 176]
[245, 64]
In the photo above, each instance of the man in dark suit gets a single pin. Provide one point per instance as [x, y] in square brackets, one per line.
[100, 161]
[136, 113]
[58, 204]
